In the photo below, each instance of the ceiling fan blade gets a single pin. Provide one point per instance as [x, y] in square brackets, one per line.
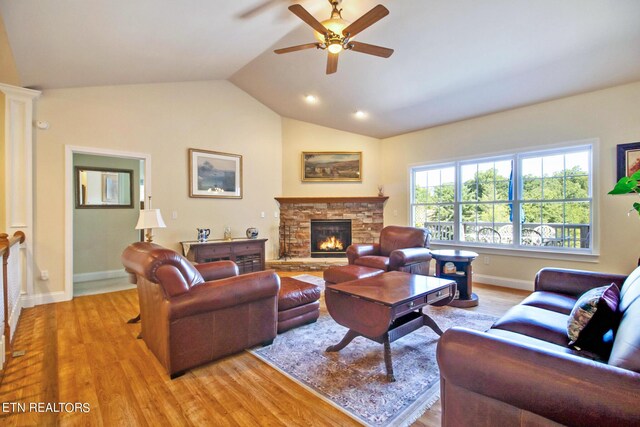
[296, 48]
[370, 49]
[366, 20]
[332, 63]
[302, 13]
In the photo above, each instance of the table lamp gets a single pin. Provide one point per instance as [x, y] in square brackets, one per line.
[148, 220]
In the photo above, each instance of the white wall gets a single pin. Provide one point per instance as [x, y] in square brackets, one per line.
[611, 115]
[162, 120]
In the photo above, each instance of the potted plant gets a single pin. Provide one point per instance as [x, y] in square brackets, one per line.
[626, 185]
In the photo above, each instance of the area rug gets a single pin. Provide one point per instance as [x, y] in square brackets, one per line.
[354, 379]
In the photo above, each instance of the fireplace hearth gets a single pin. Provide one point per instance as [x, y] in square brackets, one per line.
[330, 237]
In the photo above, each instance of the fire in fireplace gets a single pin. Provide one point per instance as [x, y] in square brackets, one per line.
[330, 237]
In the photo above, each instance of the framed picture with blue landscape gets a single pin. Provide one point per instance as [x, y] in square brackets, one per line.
[215, 174]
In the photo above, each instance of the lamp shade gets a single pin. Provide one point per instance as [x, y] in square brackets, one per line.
[150, 218]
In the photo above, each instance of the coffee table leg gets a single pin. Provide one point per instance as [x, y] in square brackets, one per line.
[348, 337]
[387, 359]
[428, 321]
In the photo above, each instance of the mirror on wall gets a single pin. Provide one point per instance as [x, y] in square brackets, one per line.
[104, 187]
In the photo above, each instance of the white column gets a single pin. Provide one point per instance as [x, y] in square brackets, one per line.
[18, 170]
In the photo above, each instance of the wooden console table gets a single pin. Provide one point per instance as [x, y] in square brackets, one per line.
[248, 254]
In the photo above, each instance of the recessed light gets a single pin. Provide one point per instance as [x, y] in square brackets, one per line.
[360, 114]
[311, 99]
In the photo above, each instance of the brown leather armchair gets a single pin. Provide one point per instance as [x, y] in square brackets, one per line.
[192, 314]
[400, 248]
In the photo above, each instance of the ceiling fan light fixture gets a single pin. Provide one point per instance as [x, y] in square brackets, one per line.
[335, 48]
[336, 34]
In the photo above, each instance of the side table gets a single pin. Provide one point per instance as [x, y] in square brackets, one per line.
[463, 275]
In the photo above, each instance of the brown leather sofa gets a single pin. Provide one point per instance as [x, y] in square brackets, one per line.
[400, 249]
[522, 372]
[192, 314]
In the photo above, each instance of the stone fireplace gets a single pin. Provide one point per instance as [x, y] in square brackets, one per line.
[297, 213]
[330, 237]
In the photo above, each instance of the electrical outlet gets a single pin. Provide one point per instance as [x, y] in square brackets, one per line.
[275, 214]
[486, 260]
[44, 275]
[262, 215]
[174, 215]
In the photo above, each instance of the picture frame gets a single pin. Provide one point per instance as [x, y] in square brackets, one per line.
[331, 166]
[628, 159]
[103, 188]
[214, 174]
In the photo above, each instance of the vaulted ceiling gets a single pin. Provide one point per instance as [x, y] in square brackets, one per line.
[453, 59]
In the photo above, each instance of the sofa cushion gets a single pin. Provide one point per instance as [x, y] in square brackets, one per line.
[594, 314]
[554, 301]
[535, 342]
[374, 261]
[535, 322]
[626, 345]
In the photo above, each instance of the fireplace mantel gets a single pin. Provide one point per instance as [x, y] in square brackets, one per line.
[297, 200]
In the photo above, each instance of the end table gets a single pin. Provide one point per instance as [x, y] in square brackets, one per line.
[463, 275]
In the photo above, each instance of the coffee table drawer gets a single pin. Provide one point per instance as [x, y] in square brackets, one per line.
[409, 306]
[437, 296]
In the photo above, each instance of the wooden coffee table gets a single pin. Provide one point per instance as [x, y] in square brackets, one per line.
[387, 307]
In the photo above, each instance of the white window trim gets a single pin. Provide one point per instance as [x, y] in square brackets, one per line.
[590, 254]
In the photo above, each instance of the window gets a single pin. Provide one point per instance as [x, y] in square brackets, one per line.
[434, 197]
[529, 200]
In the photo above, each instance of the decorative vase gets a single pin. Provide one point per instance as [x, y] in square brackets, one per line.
[227, 233]
[252, 233]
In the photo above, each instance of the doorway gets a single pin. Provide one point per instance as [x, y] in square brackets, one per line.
[105, 192]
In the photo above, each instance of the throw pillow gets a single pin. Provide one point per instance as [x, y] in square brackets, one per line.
[592, 319]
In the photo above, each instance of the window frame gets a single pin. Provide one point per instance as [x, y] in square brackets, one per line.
[517, 157]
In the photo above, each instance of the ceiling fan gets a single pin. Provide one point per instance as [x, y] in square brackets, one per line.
[335, 34]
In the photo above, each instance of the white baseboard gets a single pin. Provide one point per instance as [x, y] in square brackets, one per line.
[39, 299]
[99, 275]
[505, 282]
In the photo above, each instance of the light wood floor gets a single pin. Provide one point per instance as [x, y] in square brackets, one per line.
[84, 351]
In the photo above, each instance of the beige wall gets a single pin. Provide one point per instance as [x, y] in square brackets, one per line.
[99, 234]
[611, 115]
[162, 120]
[300, 136]
[8, 70]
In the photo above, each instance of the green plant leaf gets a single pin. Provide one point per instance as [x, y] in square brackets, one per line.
[636, 206]
[625, 185]
[636, 175]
